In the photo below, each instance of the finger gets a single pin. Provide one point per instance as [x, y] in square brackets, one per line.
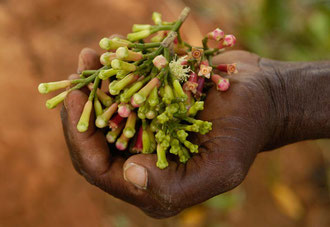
[88, 60]
[91, 155]
[89, 149]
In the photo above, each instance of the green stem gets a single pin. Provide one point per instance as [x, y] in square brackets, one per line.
[87, 73]
[155, 29]
[187, 45]
[204, 41]
[213, 51]
[144, 45]
[96, 84]
[87, 80]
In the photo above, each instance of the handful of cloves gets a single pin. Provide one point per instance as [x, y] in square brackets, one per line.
[156, 88]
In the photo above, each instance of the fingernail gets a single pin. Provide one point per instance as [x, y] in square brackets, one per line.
[136, 175]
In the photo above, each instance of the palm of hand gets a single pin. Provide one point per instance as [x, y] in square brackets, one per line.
[226, 153]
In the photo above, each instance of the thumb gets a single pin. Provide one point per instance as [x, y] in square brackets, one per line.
[213, 171]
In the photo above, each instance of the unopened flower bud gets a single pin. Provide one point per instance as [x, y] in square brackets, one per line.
[121, 65]
[157, 18]
[160, 62]
[115, 121]
[227, 68]
[83, 123]
[107, 57]
[138, 35]
[216, 34]
[113, 44]
[140, 27]
[113, 134]
[129, 129]
[222, 84]
[122, 142]
[45, 88]
[53, 102]
[161, 157]
[124, 110]
[228, 41]
[124, 53]
[103, 119]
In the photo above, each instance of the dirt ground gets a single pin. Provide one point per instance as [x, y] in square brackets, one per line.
[40, 41]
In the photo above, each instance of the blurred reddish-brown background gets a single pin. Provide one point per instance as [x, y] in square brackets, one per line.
[40, 41]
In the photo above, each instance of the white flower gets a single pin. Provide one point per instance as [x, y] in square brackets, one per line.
[180, 71]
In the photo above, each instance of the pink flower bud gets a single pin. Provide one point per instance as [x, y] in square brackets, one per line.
[138, 144]
[160, 62]
[216, 34]
[222, 84]
[115, 121]
[124, 110]
[228, 41]
[227, 68]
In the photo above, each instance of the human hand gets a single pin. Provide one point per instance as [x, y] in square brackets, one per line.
[244, 120]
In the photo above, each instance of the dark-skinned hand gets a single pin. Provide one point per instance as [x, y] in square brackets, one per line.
[247, 119]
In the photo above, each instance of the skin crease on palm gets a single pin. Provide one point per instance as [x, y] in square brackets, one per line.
[244, 124]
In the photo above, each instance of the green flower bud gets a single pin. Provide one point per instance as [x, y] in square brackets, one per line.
[154, 125]
[97, 107]
[105, 74]
[183, 155]
[168, 94]
[182, 135]
[116, 86]
[129, 130]
[173, 108]
[175, 146]
[162, 118]
[146, 142]
[192, 147]
[112, 44]
[53, 102]
[103, 119]
[121, 65]
[105, 43]
[157, 18]
[179, 93]
[107, 57]
[121, 74]
[45, 88]
[140, 27]
[165, 144]
[161, 158]
[160, 136]
[138, 35]
[124, 53]
[197, 106]
[153, 97]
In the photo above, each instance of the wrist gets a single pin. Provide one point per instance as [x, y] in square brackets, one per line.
[300, 94]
